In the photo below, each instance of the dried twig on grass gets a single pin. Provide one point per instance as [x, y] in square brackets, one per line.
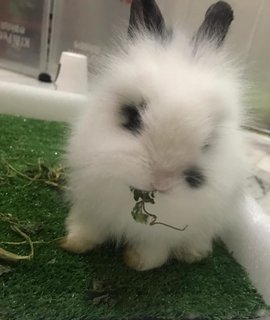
[22, 230]
[15, 226]
[4, 269]
[141, 215]
[40, 172]
[101, 292]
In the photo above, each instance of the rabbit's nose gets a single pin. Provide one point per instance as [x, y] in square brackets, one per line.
[163, 182]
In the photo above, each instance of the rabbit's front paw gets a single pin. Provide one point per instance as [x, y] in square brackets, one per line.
[192, 255]
[76, 245]
[145, 258]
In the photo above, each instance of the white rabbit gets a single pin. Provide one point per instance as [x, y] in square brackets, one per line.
[165, 115]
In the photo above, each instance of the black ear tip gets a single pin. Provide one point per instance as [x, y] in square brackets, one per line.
[146, 15]
[216, 23]
[220, 10]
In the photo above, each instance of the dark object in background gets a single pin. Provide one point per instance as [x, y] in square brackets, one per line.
[45, 77]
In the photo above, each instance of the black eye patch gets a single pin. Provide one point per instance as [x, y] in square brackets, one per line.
[194, 177]
[131, 116]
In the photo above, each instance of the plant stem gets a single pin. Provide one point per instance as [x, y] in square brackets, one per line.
[154, 220]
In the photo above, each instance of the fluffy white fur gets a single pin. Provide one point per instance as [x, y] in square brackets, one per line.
[192, 100]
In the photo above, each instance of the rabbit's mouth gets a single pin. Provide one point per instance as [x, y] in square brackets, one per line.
[162, 187]
[132, 188]
[148, 191]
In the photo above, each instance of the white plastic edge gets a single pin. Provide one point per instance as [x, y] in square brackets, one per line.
[40, 103]
[248, 239]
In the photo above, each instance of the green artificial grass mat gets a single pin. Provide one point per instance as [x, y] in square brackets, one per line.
[58, 285]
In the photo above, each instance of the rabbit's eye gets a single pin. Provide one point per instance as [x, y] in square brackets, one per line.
[131, 118]
[194, 177]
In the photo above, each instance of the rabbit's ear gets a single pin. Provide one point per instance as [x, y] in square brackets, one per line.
[215, 25]
[145, 15]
